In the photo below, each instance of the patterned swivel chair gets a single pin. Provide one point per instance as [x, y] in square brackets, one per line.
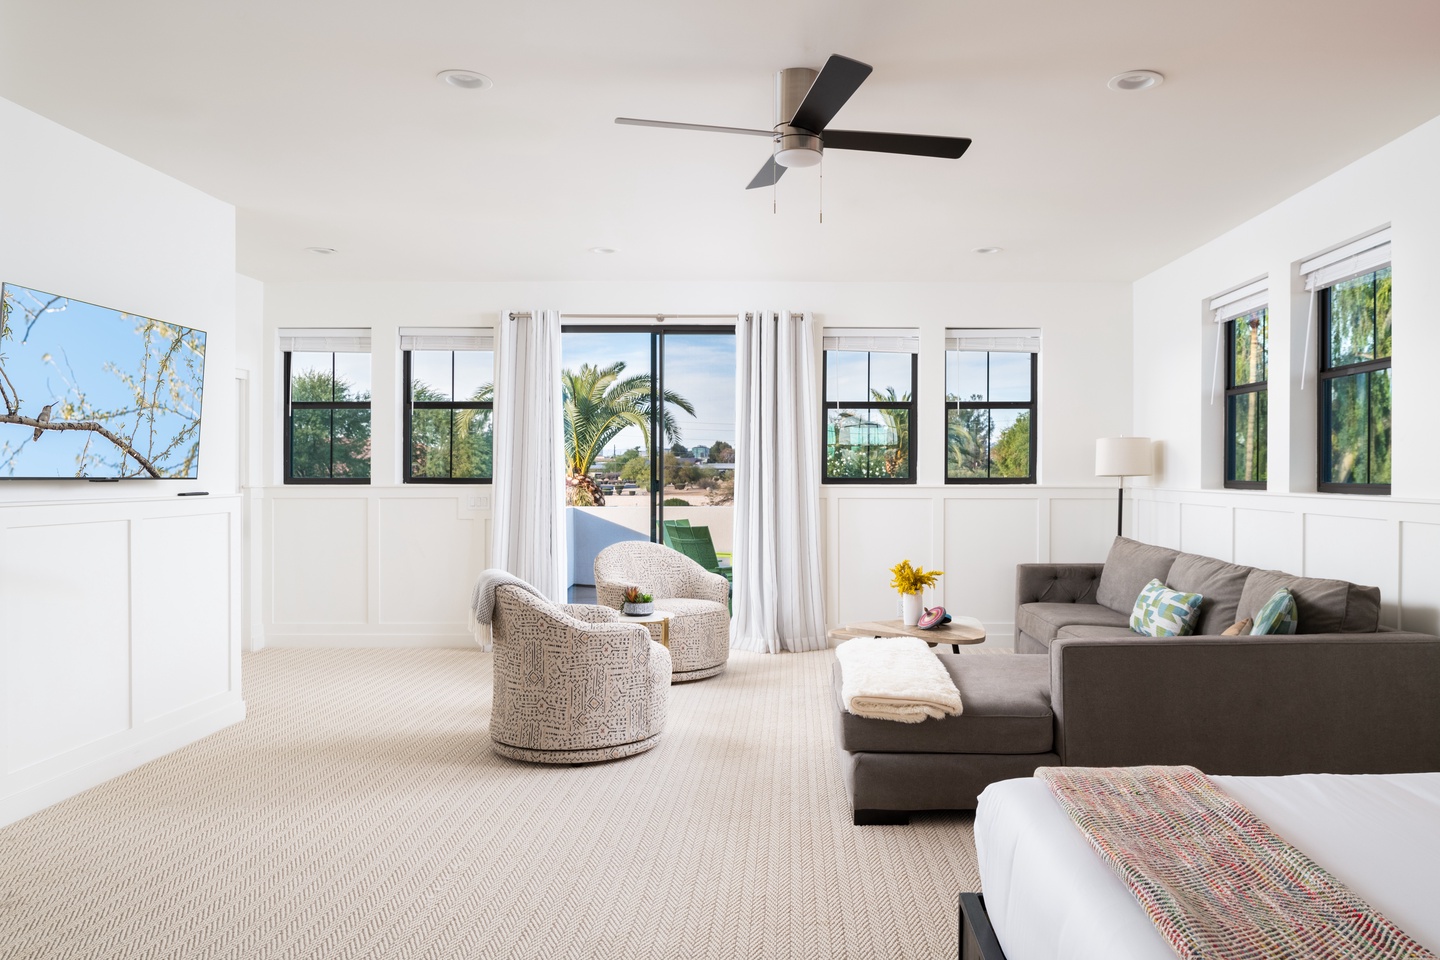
[572, 683]
[696, 599]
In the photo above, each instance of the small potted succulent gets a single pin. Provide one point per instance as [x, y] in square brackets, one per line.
[636, 604]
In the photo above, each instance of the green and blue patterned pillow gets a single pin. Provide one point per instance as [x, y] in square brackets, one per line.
[1279, 615]
[1162, 612]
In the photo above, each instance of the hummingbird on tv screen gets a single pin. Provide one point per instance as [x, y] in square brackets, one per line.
[43, 418]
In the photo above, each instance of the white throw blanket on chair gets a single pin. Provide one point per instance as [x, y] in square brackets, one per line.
[895, 678]
[482, 598]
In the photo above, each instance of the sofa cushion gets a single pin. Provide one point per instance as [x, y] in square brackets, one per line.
[1162, 612]
[1044, 620]
[1085, 631]
[1006, 711]
[1129, 567]
[1220, 583]
[1325, 606]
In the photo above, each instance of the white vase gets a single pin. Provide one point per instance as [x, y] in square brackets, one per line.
[911, 606]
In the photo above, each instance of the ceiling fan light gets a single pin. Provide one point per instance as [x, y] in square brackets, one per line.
[797, 157]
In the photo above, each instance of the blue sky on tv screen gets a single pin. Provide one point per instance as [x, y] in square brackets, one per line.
[139, 379]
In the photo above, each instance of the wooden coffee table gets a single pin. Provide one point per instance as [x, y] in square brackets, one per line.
[959, 630]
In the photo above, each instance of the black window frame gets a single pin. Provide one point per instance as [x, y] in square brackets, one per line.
[1032, 405]
[870, 404]
[1327, 373]
[292, 405]
[1234, 390]
[410, 405]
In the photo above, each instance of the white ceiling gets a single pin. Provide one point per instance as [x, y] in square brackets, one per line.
[322, 122]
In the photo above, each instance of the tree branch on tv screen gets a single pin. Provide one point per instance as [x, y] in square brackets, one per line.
[119, 441]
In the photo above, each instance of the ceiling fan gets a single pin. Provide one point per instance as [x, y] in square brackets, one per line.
[805, 102]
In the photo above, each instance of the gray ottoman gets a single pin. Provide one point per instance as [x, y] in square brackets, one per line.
[1006, 729]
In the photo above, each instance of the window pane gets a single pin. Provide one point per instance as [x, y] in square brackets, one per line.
[890, 376]
[474, 445]
[430, 377]
[1380, 426]
[430, 443]
[311, 377]
[1347, 406]
[1245, 416]
[474, 375]
[1352, 321]
[967, 444]
[352, 443]
[310, 443]
[1250, 350]
[867, 443]
[352, 376]
[1010, 450]
[965, 375]
[1382, 312]
[846, 376]
[1009, 377]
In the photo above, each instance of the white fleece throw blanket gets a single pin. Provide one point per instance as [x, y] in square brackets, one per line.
[482, 598]
[895, 678]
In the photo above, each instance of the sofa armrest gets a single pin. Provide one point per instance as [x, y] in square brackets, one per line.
[590, 612]
[1308, 703]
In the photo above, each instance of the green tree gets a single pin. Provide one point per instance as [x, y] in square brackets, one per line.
[1010, 456]
[722, 452]
[327, 444]
[598, 404]
[453, 444]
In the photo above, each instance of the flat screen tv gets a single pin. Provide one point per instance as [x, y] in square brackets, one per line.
[92, 393]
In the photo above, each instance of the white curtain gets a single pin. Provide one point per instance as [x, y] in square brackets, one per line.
[529, 488]
[779, 599]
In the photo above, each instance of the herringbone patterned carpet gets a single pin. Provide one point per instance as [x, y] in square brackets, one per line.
[359, 812]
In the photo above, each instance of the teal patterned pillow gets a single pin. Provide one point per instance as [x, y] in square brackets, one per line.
[1162, 612]
[1277, 616]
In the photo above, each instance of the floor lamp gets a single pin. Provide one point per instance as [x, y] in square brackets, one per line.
[1123, 457]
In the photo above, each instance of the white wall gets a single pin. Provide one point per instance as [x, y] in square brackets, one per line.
[118, 606]
[1392, 542]
[397, 562]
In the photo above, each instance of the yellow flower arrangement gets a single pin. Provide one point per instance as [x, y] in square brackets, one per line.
[908, 579]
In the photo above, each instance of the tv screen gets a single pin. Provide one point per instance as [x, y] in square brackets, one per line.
[94, 393]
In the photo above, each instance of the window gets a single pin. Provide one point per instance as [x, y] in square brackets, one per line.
[1353, 303]
[327, 407]
[990, 405]
[870, 406]
[1243, 332]
[449, 407]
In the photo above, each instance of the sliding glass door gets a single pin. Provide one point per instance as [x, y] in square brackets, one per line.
[649, 441]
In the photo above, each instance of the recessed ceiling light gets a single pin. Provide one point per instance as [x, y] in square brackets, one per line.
[465, 79]
[1135, 80]
[989, 249]
[602, 249]
[325, 251]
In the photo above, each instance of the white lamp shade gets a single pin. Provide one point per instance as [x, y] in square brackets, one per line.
[1124, 457]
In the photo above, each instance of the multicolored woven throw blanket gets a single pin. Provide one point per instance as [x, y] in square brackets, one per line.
[1217, 882]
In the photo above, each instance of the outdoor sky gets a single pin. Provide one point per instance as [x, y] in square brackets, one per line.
[699, 367]
[79, 339]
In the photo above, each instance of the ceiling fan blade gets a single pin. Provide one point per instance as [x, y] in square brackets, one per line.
[695, 126]
[767, 176]
[911, 144]
[837, 82]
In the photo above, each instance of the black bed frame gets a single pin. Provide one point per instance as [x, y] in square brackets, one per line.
[977, 937]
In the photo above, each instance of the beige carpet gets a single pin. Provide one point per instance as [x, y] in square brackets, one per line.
[359, 812]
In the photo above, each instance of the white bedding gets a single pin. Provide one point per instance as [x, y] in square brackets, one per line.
[1050, 897]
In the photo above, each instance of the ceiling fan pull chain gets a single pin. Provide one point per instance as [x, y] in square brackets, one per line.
[775, 180]
[822, 188]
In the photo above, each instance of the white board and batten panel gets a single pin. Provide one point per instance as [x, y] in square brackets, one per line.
[1269, 539]
[428, 562]
[1081, 530]
[319, 559]
[1206, 530]
[984, 541]
[1420, 576]
[873, 535]
[1358, 549]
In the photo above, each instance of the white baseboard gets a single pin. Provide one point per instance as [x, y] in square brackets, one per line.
[333, 640]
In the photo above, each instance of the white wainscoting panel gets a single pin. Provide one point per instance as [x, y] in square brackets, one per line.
[319, 559]
[1358, 549]
[1270, 539]
[984, 541]
[185, 562]
[874, 535]
[1206, 530]
[427, 562]
[1420, 576]
[66, 662]
[1081, 531]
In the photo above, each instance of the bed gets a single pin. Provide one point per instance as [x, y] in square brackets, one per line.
[1048, 896]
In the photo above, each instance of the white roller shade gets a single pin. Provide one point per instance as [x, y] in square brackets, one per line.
[873, 340]
[994, 340]
[1352, 260]
[477, 339]
[1240, 301]
[325, 340]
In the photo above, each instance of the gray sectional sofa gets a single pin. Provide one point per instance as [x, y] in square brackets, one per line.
[1343, 695]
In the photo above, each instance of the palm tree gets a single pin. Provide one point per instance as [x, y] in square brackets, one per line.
[598, 405]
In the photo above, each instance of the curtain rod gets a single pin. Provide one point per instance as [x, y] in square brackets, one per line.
[657, 317]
